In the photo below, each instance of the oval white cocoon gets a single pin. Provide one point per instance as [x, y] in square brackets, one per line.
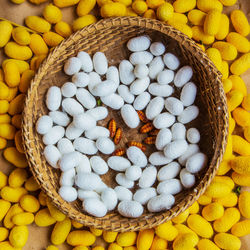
[98, 165]
[97, 132]
[164, 120]
[72, 107]
[154, 107]
[113, 101]
[148, 177]
[163, 138]
[94, 207]
[100, 63]
[123, 193]
[44, 124]
[130, 116]
[182, 76]
[118, 163]
[85, 146]
[170, 186]
[161, 202]
[175, 149]
[139, 43]
[143, 195]
[131, 209]
[53, 98]
[52, 155]
[85, 98]
[105, 145]
[187, 179]
[141, 101]
[68, 193]
[196, 162]
[60, 118]
[54, 135]
[126, 72]
[72, 66]
[109, 198]
[87, 64]
[136, 156]
[158, 158]
[169, 171]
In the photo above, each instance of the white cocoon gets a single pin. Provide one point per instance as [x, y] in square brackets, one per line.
[44, 124]
[98, 165]
[52, 155]
[170, 186]
[196, 162]
[126, 72]
[68, 193]
[136, 156]
[161, 202]
[154, 107]
[163, 138]
[54, 135]
[84, 121]
[164, 120]
[53, 98]
[100, 63]
[171, 61]
[122, 180]
[81, 79]
[141, 101]
[85, 98]
[59, 118]
[97, 132]
[155, 67]
[72, 66]
[148, 177]
[65, 146]
[85, 146]
[67, 178]
[94, 207]
[131, 209]
[157, 48]
[175, 149]
[187, 179]
[70, 160]
[158, 158]
[72, 132]
[105, 145]
[143, 195]
[109, 198]
[160, 90]
[113, 101]
[86, 61]
[141, 57]
[123, 193]
[98, 113]
[130, 116]
[139, 43]
[68, 89]
[118, 163]
[139, 86]
[72, 107]
[88, 181]
[182, 76]
[169, 171]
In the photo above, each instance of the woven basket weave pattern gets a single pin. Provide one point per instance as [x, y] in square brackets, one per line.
[110, 36]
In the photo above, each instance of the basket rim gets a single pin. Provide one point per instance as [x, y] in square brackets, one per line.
[221, 140]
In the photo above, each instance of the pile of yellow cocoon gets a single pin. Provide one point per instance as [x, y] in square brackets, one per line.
[220, 216]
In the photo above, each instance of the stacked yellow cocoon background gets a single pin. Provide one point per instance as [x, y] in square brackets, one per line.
[221, 215]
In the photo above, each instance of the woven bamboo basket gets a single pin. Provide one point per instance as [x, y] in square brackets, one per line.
[110, 36]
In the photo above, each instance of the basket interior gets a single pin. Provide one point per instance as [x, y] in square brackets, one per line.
[111, 39]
